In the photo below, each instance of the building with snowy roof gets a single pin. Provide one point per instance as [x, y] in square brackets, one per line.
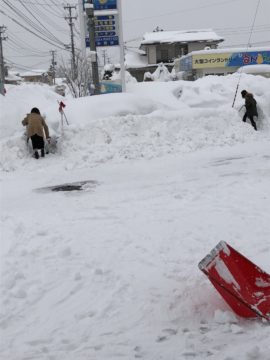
[13, 78]
[165, 46]
[39, 76]
[221, 61]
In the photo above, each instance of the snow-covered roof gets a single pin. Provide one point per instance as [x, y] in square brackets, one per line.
[13, 77]
[158, 37]
[135, 59]
[33, 73]
[228, 50]
[255, 69]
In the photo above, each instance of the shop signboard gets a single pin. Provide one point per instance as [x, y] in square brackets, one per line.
[107, 30]
[105, 4]
[108, 87]
[237, 59]
[102, 4]
[106, 24]
[186, 63]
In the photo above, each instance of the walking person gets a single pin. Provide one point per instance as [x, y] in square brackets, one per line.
[251, 108]
[36, 126]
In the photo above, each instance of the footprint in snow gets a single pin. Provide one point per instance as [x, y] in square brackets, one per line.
[167, 334]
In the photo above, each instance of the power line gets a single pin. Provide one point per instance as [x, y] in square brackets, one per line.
[228, 33]
[248, 44]
[30, 31]
[242, 45]
[182, 11]
[242, 27]
[40, 4]
[253, 23]
[27, 67]
[40, 28]
[22, 45]
[23, 51]
[27, 56]
[53, 37]
[47, 18]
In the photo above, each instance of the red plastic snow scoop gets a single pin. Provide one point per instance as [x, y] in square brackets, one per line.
[242, 284]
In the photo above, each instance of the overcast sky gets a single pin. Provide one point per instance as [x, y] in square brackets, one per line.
[232, 19]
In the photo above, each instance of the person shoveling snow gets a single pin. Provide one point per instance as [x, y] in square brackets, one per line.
[251, 108]
[36, 126]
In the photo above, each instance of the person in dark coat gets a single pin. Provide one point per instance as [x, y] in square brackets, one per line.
[251, 108]
[36, 126]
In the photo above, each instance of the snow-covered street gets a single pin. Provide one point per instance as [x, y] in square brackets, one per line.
[111, 272]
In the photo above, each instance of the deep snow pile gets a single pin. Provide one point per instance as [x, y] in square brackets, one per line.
[151, 120]
[111, 272]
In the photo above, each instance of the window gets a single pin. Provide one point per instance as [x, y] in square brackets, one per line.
[164, 55]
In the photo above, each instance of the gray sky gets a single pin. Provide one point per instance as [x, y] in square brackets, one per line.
[232, 19]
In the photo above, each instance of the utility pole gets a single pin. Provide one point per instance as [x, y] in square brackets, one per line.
[122, 48]
[89, 8]
[53, 52]
[71, 24]
[2, 64]
[82, 22]
[104, 54]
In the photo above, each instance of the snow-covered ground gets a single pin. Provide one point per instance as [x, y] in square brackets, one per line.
[111, 272]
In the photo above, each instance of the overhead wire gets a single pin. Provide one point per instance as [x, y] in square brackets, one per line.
[46, 18]
[34, 19]
[248, 44]
[21, 43]
[40, 28]
[40, 4]
[48, 10]
[25, 67]
[52, 3]
[181, 11]
[31, 31]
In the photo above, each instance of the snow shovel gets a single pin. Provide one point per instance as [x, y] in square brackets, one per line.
[242, 284]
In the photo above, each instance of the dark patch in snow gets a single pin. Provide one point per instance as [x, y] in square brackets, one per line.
[227, 161]
[87, 185]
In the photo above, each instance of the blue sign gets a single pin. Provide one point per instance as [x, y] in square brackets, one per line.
[186, 63]
[108, 87]
[105, 4]
[102, 4]
[107, 41]
[104, 41]
[249, 58]
[106, 27]
[106, 30]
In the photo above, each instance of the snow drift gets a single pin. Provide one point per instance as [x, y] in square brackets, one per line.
[149, 121]
[111, 272]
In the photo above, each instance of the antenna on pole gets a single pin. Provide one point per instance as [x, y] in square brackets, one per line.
[248, 45]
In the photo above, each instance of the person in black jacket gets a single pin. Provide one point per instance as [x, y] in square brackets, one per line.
[251, 108]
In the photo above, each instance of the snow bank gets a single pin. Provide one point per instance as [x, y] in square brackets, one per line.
[19, 101]
[111, 272]
[151, 120]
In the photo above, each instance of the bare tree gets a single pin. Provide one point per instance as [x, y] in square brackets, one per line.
[80, 84]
